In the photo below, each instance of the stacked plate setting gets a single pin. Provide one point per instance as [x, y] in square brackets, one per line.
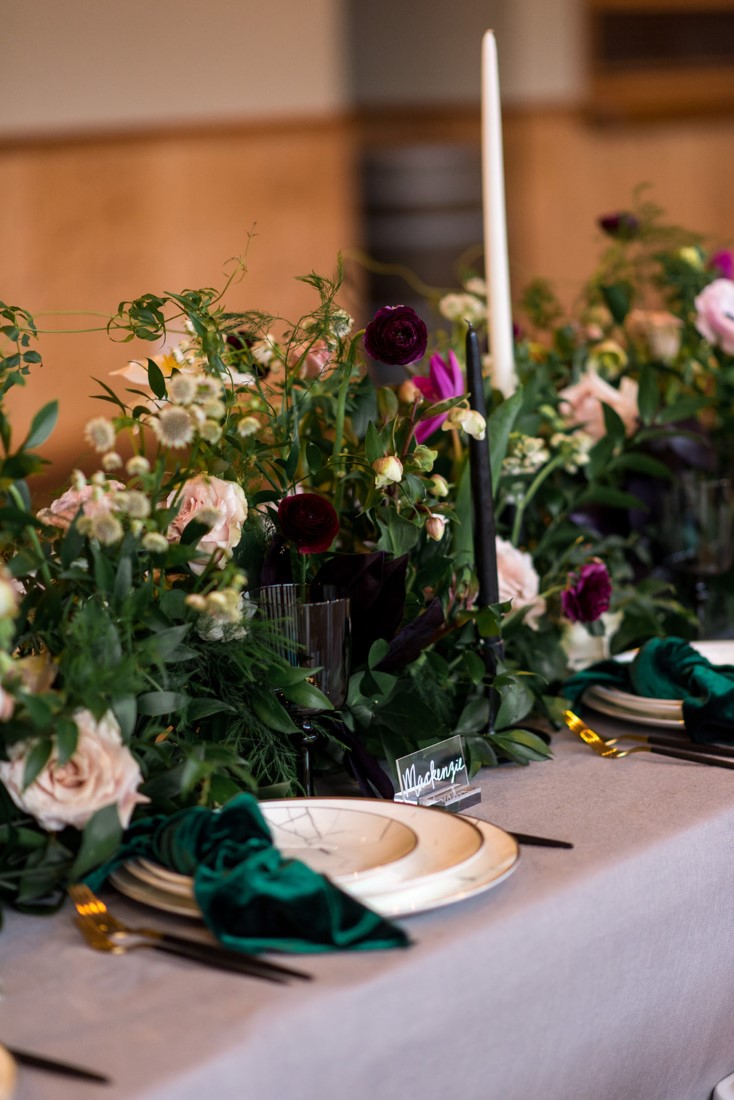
[397, 858]
[660, 713]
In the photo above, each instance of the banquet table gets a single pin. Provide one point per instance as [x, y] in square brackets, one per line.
[603, 972]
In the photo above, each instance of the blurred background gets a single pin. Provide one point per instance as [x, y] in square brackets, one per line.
[143, 143]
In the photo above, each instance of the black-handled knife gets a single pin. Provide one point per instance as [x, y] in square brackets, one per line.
[540, 841]
[51, 1065]
[221, 957]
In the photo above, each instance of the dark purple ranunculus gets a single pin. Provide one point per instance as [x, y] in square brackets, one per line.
[396, 336]
[621, 225]
[588, 594]
[309, 521]
[722, 263]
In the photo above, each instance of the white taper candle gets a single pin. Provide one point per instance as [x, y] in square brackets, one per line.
[495, 224]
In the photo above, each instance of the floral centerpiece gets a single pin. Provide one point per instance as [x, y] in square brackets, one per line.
[133, 672]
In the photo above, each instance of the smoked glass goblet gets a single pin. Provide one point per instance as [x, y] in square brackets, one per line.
[310, 628]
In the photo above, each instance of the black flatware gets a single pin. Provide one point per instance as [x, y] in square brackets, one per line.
[540, 841]
[51, 1065]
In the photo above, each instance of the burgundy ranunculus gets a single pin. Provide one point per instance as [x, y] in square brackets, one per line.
[588, 594]
[396, 336]
[622, 225]
[309, 521]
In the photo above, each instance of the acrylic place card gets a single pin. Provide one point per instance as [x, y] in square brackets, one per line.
[437, 776]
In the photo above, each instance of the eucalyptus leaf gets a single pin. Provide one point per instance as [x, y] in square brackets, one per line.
[100, 840]
[155, 703]
[499, 425]
[156, 381]
[42, 425]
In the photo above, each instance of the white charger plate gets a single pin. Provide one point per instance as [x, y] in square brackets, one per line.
[657, 713]
[456, 857]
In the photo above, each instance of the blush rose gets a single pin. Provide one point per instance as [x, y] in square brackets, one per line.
[102, 772]
[519, 582]
[62, 511]
[581, 404]
[210, 497]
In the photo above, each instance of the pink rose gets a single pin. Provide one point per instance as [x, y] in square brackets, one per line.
[715, 314]
[102, 772]
[312, 359]
[63, 511]
[222, 505]
[659, 329]
[581, 404]
[518, 581]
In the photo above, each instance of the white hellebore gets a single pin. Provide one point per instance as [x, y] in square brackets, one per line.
[102, 772]
[389, 470]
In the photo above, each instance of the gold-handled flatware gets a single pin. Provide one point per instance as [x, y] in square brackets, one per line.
[609, 750]
[104, 932]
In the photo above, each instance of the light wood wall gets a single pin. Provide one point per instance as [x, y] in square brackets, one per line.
[86, 224]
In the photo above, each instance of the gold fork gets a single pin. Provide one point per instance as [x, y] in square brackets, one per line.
[104, 932]
[608, 749]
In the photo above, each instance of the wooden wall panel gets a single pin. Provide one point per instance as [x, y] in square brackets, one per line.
[85, 225]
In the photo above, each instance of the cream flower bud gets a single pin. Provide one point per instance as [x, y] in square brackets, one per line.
[470, 421]
[389, 470]
[408, 393]
[424, 458]
[435, 526]
[439, 486]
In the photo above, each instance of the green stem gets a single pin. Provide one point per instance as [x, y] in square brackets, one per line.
[33, 536]
[341, 407]
[532, 490]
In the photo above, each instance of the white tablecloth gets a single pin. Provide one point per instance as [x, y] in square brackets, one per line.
[606, 972]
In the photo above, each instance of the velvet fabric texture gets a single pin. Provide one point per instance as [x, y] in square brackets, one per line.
[251, 898]
[669, 668]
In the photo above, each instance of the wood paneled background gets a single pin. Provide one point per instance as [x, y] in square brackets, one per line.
[87, 223]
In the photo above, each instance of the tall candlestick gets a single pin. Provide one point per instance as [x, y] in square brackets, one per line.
[483, 522]
[485, 531]
[495, 225]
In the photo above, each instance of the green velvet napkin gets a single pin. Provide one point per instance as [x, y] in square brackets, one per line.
[251, 898]
[669, 668]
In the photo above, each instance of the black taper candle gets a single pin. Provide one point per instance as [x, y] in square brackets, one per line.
[484, 527]
[485, 531]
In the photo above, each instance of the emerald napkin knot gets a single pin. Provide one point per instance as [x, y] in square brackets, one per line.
[670, 668]
[250, 897]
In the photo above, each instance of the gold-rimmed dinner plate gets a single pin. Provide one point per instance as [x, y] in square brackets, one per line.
[455, 857]
[656, 713]
[494, 862]
[313, 830]
[7, 1074]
